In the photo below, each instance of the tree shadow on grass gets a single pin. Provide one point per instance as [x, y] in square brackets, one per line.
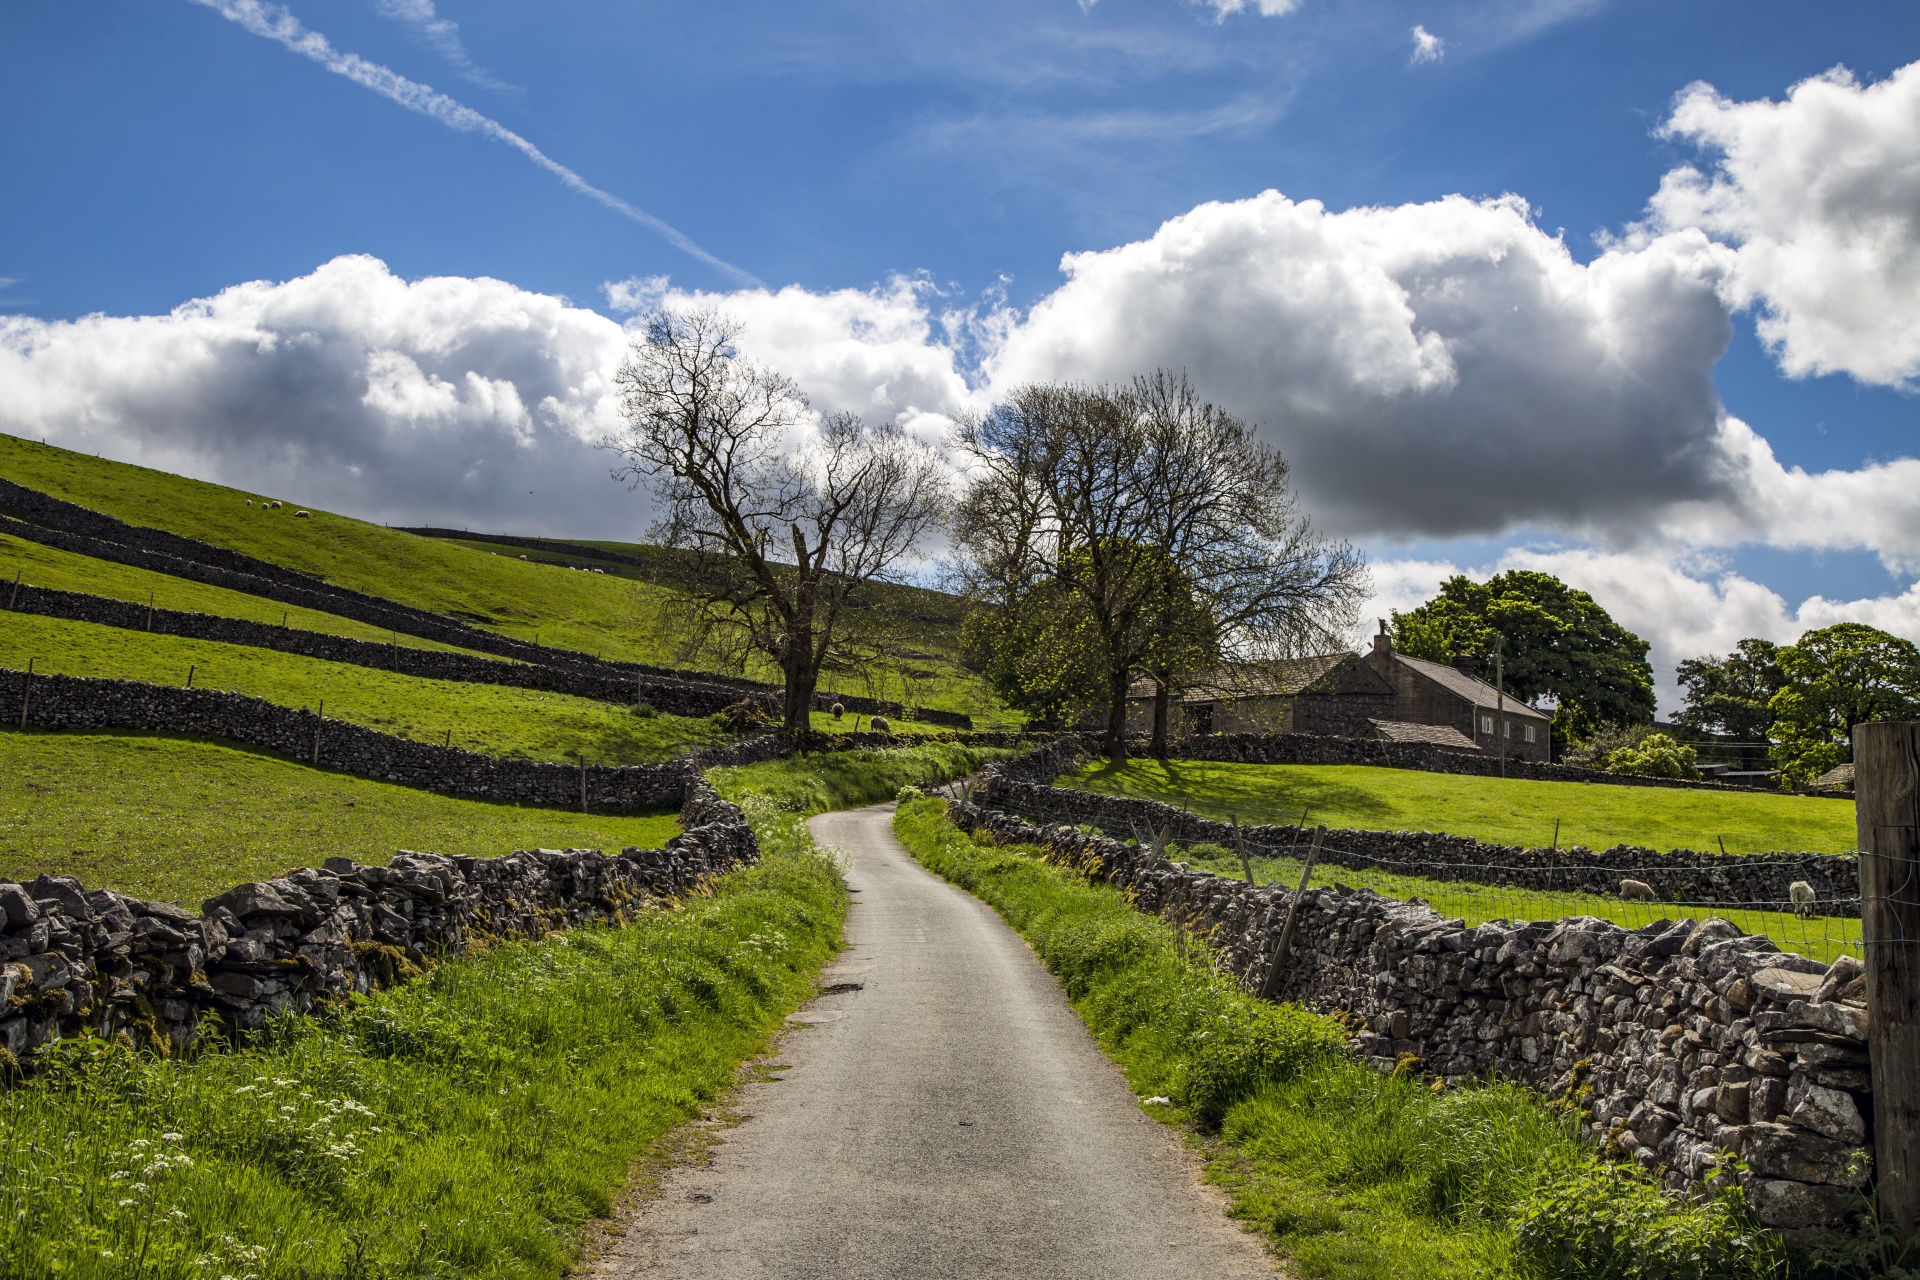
[1274, 794]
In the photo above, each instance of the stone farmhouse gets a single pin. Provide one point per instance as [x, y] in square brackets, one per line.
[1378, 694]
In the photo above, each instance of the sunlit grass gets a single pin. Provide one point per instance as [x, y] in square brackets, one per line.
[175, 818]
[1498, 810]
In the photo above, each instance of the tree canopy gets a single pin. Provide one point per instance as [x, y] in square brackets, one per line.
[1557, 643]
[1831, 680]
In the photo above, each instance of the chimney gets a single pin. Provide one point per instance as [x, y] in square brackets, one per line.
[1463, 664]
[1383, 643]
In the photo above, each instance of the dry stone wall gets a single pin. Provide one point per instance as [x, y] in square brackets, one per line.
[1685, 1042]
[53, 522]
[73, 960]
[680, 697]
[1314, 748]
[1680, 875]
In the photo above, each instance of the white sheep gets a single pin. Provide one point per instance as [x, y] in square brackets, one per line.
[1637, 890]
[1803, 897]
[304, 515]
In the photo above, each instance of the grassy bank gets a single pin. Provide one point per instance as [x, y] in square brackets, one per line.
[1349, 1173]
[179, 819]
[41, 566]
[615, 614]
[470, 1124]
[815, 783]
[1822, 937]
[495, 720]
[1498, 810]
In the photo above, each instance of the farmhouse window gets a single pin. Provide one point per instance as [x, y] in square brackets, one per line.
[1529, 733]
[1486, 724]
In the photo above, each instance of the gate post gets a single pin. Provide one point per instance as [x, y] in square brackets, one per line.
[1886, 770]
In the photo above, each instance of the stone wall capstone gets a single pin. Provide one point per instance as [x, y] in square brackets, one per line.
[1685, 1040]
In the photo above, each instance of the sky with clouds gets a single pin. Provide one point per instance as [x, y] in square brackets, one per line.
[1626, 292]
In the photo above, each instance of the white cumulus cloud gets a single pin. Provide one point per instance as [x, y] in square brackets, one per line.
[1820, 192]
[1427, 47]
[438, 400]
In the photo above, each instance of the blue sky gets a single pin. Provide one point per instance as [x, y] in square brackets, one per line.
[165, 152]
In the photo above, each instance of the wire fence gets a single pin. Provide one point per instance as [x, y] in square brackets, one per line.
[1820, 930]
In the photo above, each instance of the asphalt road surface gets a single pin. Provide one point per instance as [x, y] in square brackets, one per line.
[952, 1118]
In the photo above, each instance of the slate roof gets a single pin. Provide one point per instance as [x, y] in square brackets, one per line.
[1446, 737]
[1472, 688]
[1282, 677]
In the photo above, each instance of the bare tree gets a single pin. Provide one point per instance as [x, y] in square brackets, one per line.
[1232, 536]
[785, 535]
[1163, 518]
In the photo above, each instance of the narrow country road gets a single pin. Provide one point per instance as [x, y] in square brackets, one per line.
[953, 1118]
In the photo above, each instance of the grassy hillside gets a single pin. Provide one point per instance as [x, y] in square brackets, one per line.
[42, 566]
[1500, 810]
[523, 723]
[616, 614]
[175, 818]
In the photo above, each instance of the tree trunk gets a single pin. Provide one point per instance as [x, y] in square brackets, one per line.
[1162, 698]
[1115, 745]
[797, 704]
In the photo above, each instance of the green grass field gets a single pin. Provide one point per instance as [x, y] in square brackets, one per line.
[1497, 810]
[473, 1123]
[613, 615]
[70, 571]
[180, 819]
[1822, 937]
[493, 719]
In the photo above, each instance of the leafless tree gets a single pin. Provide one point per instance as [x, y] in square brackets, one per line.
[1164, 518]
[785, 534]
[1232, 534]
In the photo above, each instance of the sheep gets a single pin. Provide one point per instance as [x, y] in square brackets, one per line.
[1803, 897]
[249, 501]
[303, 515]
[838, 711]
[275, 503]
[880, 724]
[1637, 891]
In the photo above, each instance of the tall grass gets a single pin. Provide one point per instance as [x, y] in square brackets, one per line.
[1349, 1173]
[468, 1125]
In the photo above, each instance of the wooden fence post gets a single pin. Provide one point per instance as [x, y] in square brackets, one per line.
[15, 597]
[1240, 844]
[1886, 769]
[26, 690]
[1271, 983]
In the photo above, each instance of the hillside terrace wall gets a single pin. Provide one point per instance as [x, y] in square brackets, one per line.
[69, 527]
[1313, 748]
[73, 960]
[677, 697]
[74, 702]
[1757, 880]
[1685, 1042]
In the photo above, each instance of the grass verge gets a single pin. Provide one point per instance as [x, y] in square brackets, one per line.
[1499, 810]
[815, 783]
[470, 1124]
[497, 720]
[1348, 1173]
[175, 818]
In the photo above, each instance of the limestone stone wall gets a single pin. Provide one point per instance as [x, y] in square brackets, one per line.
[73, 959]
[1685, 1042]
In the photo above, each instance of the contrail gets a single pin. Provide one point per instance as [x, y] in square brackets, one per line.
[274, 22]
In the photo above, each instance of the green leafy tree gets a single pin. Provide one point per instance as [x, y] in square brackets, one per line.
[1558, 643]
[1041, 653]
[1655, 756]
[1831, 680]
[1728, 696]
